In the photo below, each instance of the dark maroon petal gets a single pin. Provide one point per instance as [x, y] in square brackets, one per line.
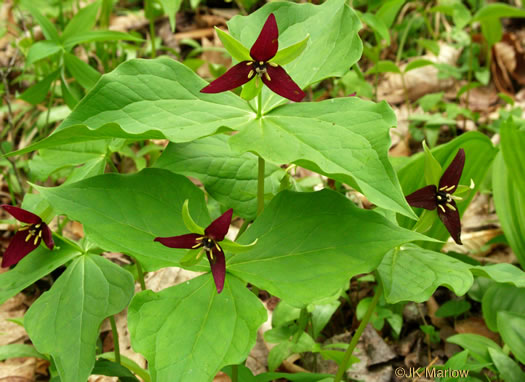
[47, 236]
[19, 248]
[21, 215]
[266, 45]
[219, 227]
[218, 267]
[236, 76]
[423, 198]
[453, 172]
[281, 83]
[450, 219]
[183, 241]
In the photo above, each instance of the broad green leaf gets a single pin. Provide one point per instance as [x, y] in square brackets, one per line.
[509, 200]
[477, 345]
[384, 66]
[414, 274]
[124, 213]
[149, 99]
[501, 273]
[229, 177]
[64, 322]
[344, 138]
[310, 245]
[171, 7]
[38, 92]
[492, 30]
[42, 49]
[509, 370]
[19, 351]
[501, 298]
[191, 332]
[49, 161]
[511, 326]
[98, 35]
[287, 55]
[86, 75]
[377, 25]
[333, 47]
[417, 64]
[233, 46]
[388, 11]
[48, 29]
[453, 308]
[512, 147]
[497, 11]
[476, 166]
[82, 22]
[34, 266]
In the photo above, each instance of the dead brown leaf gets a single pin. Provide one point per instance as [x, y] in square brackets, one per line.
[18, 369]
[476, 325]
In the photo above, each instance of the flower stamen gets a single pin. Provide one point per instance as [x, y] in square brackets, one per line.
[450, 206]
[442, 208]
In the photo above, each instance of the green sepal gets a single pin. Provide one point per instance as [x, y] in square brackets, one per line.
[233, 46]
[250, 90]
[234, 247]
[426, 219]
[188, 221]
[433, 169]
[462, 189]
[289, 54]
[192, 257]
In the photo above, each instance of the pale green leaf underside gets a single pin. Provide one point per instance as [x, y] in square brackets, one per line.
[344, 138]
[310, 244]
[229, 177]
[414, 273]
[124, 213]
[64, 322]
[191, 332]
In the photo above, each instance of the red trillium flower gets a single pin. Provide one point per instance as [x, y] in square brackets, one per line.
[28, 237]
[441, 197]
[260, 67]
[209, 242]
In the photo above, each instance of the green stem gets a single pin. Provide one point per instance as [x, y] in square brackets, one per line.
[141, 275]
[302, 322]
[260, 187]
[116, 346]
[152, 37]
[358, 333]
[62, 224]
[235, 373]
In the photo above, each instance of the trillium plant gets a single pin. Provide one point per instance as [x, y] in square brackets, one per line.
[215, 189]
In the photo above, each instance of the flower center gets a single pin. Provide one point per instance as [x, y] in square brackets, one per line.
[444, 199]
[207, 243]
[34, 231]
[260, 69]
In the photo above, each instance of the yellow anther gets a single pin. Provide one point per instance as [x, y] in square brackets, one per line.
[261, 62]
[24, 228]
[196, 245]
[38, 225]
[459, 198]
[273, 64]
[39, 233]
[451, 207]
[450, 188]
[250, 74]
[36, 240]
[218, 248]
[439, 197]
[442, 208]
[442, 188]
[267, 76]
[29, 236]
[249, 63]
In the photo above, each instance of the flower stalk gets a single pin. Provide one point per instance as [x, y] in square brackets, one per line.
[116, 346]
[355, 339]
[260, 187]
